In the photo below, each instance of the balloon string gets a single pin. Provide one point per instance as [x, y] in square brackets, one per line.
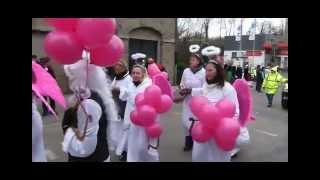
[87, 71]
[84, 110]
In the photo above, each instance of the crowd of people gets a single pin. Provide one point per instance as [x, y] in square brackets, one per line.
[98, 118]
[267, 78]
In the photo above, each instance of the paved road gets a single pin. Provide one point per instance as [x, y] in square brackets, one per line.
[269, 135]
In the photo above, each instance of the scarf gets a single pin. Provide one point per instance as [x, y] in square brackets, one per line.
[136, 83]
[195, 70]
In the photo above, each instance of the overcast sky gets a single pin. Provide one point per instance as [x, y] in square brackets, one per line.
[214, 28]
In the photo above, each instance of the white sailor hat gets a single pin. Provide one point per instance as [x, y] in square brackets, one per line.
[194, 48]
[210, 51]
[137, 56]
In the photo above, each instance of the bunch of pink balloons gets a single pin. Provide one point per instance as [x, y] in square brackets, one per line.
[215, 121]
[72, 36]
[148, 104]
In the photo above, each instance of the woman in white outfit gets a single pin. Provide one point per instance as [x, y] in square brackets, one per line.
[140, 147]
[192, 77]
[121, 81]
[214, 53]
[215, 89]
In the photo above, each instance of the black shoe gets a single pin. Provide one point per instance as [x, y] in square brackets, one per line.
[269, 105]
[123, 156]
[188, 143]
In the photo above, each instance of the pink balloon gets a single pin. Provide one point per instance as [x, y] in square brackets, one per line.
[152, 96]
[134, 116]
[109, 54]
[95, 32]
[139, 100]
[199, 133]
[164, 74]
[63, 47]
[196, 104]
[153, 69]
[147, 114]
[154, 131]
[210, 116]
[226, 108]
[227, 133]
[163, 84]
[165, 104]
[63, 24]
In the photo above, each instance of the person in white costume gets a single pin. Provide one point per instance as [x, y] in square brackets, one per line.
[91, 83]
[140, 147]
[213, 53]
[38, 151]
[192, 77]
[121, 81]
[215, 89]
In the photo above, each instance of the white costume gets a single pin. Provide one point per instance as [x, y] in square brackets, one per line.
[137, 138]
[86, 147]
[209, 151]
[190, 80]
[119, 137]
[38, 151]
[97, 82]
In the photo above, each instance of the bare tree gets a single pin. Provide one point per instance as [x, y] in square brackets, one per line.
[183, 26]
[229, 25]
[206, 24]
[266, 27]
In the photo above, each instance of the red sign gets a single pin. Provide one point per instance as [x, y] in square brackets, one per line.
[283, 52]
[282, 45]
[253, 53]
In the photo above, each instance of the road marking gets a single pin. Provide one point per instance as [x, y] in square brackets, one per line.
[265, 132]
[51, 155]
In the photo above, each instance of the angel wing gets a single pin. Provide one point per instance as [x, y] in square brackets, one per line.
[46, 85]
[245, 101]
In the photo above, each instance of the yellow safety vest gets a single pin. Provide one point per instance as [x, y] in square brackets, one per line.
[272, 82]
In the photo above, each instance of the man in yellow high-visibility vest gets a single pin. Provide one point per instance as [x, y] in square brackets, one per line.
[271, 84]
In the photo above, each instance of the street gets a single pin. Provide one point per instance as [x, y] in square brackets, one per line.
[268, 135]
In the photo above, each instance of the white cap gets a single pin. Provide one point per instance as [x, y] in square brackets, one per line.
[194, 48]
[138, 56]
[210, 51]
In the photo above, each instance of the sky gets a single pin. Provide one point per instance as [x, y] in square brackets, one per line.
[214, 28]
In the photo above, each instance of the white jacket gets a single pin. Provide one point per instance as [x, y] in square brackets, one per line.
[190, 80]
